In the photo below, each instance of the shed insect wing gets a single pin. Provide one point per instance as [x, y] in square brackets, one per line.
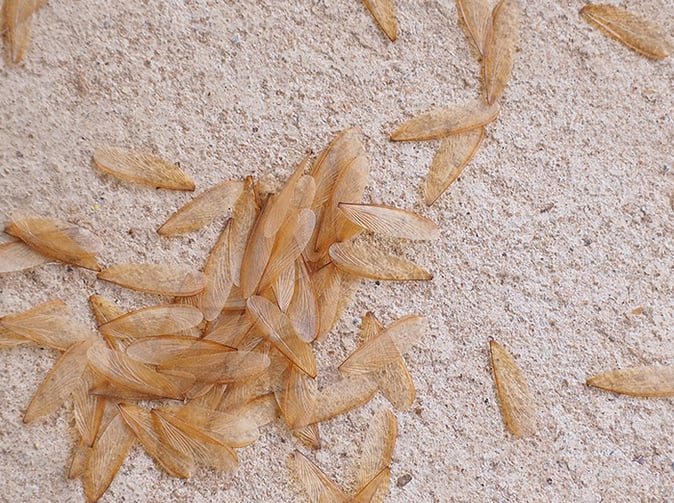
[377, 449]
[453, 155]
[517, 407]
[475, 16]
[317, 485]
[164, 319]
[59, 383]
[384, 13]
[203, 209]
[634, 31]
[500, 49]
[106, 458]
[17, 256]
[369, 262]
[390, 221]
[645, 381]
[160, 279]
[442, 122]
[140, 167]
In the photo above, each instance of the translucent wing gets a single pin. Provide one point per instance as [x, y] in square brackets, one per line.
[87, 409]
[161, 350]
[176, 463]
[17, 26]
[283, 287]
[637, 33]
[291, 239]
[49, 325]
[17, 256]
[219, 274]
[219, 368]
[376, 490]
[645, 381]
[194, 442]
[129, 378]
[161, 279]
[106, 457]
[56, 239]
[338, 398]
[517, 406]
[475, 16]
[369, 262]
[454, 154]
[390, 221]
[377, 450]
[141, 167]
[243, 220]
[104, 309]
[383, 11]
[276, 326]
[318, 486]
[203, 209]
[386, 347]
[59, 383]
[443, 122]
[501, 46]
[156, 320]
[303, 309]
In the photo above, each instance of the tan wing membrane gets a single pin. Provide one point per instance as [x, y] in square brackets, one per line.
[475, 17]
[452, 157]
[369, 262]
[56, 239]
[384, 13]
[646, 381]
[517, 406]
[389, 221]
[17, 256]
[443, 122]
[500, 51]
[639, 34]
[141, 167]
[161, 279]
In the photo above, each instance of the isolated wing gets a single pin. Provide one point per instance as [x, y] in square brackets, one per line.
[317, 485]
[141, 167]
[501, 47]
[17, 256]
[636, 32]
[475, 16]
[645, 381]
[517, 406]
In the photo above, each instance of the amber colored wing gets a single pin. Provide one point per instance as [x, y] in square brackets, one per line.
[194, 442]
[49, 324]
[176, 463]
[161, 279]
[500, 51]
[475, 17]
[140, 167]
[243, 219]
[453, 155]
[219, 274]
[384, 13]
[443, 122]
[338, 398]
[517, 405]
[390, 221]
[276, 326]
[645, 381]
[376, 490]
[17, 26]
[104, 309]
[303, 308]
[87, 408]
[377, 449]
[60, 382]
[369, 262]
[127, 377]
[636, 32]
[17, 256]
[106, 457]
[387, 346]
[203, 209]
[155, 320]
[317, 485]
[56, 239]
